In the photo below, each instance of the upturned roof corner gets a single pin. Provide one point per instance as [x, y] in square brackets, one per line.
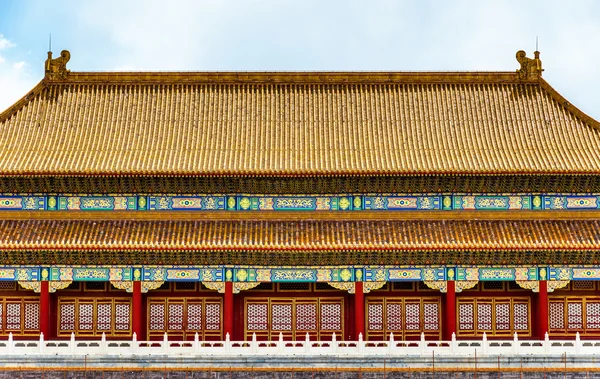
[530, 68]
[56, 69]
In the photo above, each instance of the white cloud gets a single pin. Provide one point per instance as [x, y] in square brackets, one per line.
[18, 65]
[5, 43]
[2, 60]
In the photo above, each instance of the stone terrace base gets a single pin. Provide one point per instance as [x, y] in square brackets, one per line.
[110, 367]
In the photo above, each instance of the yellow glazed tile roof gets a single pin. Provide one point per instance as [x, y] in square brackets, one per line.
[306, 235]
[296, 124]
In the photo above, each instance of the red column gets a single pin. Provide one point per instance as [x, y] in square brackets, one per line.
[449, 316]
[228, 311]
[44, 308]
[359, 310]
[137, 311]
[543, 309]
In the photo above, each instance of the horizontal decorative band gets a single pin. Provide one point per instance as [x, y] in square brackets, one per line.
[300, 274]
[390, 202]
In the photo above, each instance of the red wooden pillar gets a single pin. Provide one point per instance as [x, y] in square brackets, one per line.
[137, 311]
[543, 309]
[45, 308]
[359, 310]
[449, 316]
[228, 311]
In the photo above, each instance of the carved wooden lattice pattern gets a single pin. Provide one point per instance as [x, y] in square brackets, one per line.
[306, 316]
[431, 313]
[498, 316]
[157, 316]
[405, 317]
[394, 315]
[294, 318]
[282, 316]
[575, 315]
[592, 313]
[104, 316]
[557, 315]
[182, 318]
[375, 317]
[502, 316]
[466, 316]
[571, 314]
[175, 316]
[258, 317]
[484, 316]
[520, 316]
[331, 316]
[94, 316]
[194, 316]
[13, 316]
[122, 316]
[67, 317]
[32, 316]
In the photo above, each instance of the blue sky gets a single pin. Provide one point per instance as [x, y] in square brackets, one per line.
[107, 35]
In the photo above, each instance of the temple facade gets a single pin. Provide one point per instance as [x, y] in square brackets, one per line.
[321, 203]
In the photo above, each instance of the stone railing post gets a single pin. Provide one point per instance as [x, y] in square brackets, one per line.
[391, 344]
[307, 344]
[453, 344]
[165, 344]
[546, 343]
[484, 344]
[41, 344]
[104, 345]
[422, 344]
[196, 344]
[10, 344]
[334, 344]
[254, 344]
[72, 345]
[577, 343]
[280, 344]
[133, 348]
[361, 344]
[227, 343]
[515, 346]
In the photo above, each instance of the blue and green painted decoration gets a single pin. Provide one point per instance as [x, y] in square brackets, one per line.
[391, 202]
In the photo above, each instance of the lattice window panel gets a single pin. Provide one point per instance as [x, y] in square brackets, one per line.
[94, 316]
[375, 316]
[185, 286]
[182, 318]
[403, 286]
[498, 316]
[257, 316]
[405, 317]
[492, 286]
[294, 318]
[264, 287]
[6, 285]
[281, 316]
[557, 315]
[466, 317]
[294, 286]
[575, 315]
[583, 285]
[571, 314]
[19, 316]
[320, 286]
[306, 316]
[331, 316]
[94, 286]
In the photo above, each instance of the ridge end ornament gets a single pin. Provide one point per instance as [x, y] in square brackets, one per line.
[530, 68]
[56, 69]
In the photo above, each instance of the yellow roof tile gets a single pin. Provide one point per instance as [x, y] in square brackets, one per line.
[296, 124]
[305, 235]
